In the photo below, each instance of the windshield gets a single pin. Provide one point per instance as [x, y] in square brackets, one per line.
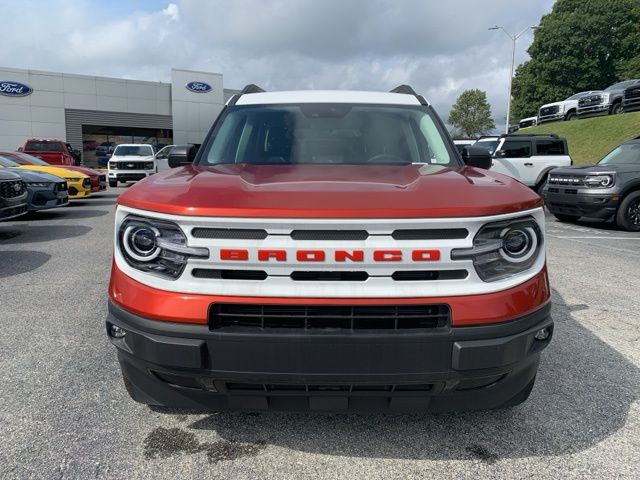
[133, 151]
[577, 96]
[43, 146]
[339, 134]
[26, 159]
[5, 162]
[621, 85]
[624, 154]
[490, 145]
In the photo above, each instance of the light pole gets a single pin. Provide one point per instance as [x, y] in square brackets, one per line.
[513, 59]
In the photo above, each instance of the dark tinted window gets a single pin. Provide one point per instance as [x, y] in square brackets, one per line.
[43, 146]
[515, 149]
[550, 147]
[327, 134]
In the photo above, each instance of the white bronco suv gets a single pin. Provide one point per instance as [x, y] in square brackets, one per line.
[131, 162]
[529, 158]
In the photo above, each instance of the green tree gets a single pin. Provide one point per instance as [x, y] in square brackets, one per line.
[471, 114]
[580, 45]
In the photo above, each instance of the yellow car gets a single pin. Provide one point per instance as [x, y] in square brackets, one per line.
[79, 184]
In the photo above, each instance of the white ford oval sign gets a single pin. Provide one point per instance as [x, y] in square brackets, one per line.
[14, 89]
[198, 87]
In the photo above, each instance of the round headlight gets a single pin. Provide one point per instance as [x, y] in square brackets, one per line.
[518, 244]
[139, 242]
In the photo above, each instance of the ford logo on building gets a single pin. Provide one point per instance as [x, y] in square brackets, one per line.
[198, 87]
[14, 89]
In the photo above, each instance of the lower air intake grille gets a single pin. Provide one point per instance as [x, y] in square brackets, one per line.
[318, 317]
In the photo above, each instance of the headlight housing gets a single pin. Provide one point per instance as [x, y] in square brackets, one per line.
[605, 97]
[599, 181]
[113, 165]
[149, 165]
[38, 184]
[156, 246]
[504, 249]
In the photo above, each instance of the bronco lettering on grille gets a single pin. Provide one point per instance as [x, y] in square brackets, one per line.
[341, 256]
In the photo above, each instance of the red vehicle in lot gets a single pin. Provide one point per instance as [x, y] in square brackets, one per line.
[54, 152]
[329, 251]
[98, 179]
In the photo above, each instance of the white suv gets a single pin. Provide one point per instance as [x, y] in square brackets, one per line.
[131, 162]
[529, 158]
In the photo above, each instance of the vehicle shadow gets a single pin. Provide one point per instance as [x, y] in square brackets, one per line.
[71, 212]
[15, 262]
[582, 395]
[18, 234]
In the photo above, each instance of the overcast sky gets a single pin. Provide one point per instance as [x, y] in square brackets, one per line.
[439, 47]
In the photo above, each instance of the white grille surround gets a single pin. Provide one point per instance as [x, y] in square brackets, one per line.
[379, 284]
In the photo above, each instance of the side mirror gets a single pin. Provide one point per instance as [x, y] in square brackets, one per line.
[182, 155]
[476, 157]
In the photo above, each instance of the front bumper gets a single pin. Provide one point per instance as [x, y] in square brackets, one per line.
[41, 199]
[568, 201]
[551, 118]
[448, 368]
[594, 110]
[129, 175]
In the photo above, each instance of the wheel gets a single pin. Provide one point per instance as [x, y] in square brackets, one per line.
[521, 396]
[113, 183]
[628, 216]
[566, 218]
[616, 109]
[571, 116]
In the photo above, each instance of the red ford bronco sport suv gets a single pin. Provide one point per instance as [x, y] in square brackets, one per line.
[329, 250]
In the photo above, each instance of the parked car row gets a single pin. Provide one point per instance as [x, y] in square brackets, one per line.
[615, 99]
[29, 183]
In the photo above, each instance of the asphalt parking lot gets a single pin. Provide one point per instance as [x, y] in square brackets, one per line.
[65, 412]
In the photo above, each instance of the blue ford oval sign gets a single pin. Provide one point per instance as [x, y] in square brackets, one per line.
[14, 89]
[198, 87]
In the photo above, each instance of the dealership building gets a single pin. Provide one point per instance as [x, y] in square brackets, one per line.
[86, 110]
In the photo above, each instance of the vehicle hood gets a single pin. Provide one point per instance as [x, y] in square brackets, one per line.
[58, 172]
[329, 191]
[131, 158]
[561, 103]
[29, 176]
[90, 172]
[597, 169]
[6, 174]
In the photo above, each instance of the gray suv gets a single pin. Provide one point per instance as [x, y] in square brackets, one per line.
[609, 190]
[604, 102]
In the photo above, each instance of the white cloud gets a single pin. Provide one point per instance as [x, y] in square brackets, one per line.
[441, 48]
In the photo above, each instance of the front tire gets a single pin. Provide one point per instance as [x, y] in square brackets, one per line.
[628, 216]
[566, 218]
[571, 116]
[113, 183]
[616, 109]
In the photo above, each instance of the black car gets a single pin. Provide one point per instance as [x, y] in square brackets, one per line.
[13, 195]
[609, 190]
[43, 189]
[631, 98]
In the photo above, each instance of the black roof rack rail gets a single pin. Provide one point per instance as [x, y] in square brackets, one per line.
[408, 90]
[552, 135]
[251, 88]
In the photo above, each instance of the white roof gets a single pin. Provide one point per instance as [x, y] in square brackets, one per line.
[327, 96]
